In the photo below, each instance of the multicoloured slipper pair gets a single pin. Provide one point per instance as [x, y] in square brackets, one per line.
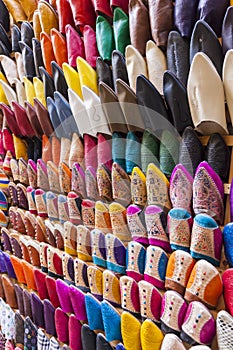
[190, 322]
[202, 236]
[108, 251]
[198, 281]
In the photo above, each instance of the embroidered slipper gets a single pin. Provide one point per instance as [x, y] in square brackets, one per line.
[171, 341]
[70, 239]
[77, 298]
[22, 196]
[155, 219]
[63, 212]
[150, 301]
[32, 173]
[62, 289]
[98, 248]
[91, 183]
[15, 243]
[24, 247]
[34, 252]
[59, 234]
[151, 336]
[199, 325]
[49, 312]
[173, 311]
[136, 224]
[44, 256]
[224, 330]
[129, 295]
[41, 205]
[121, 191]
[14, 168]
[204, 284]
[88, 338]
[94, 313]
[104, 152]
[179, 268]
[52, 206]
[181, 188]
[102, 217]
[40, 230]
[111, 321]
[156, 264]
[74, 208]
[61, 323]
[53, 175]
[84, 243]
[78, 180]
[23, 174]
[227, 290]
[31, 200]
[20, 221]
[111, 288]
[42, 175]
[65, 150]
[6, 240]
[95, 281]
[76, 150]
[54, 262]
[208, 192]
[13, 193]
[104, 183]
[64, 178]
[130, 330]
[206, 239]
[116, 254]
[74, 329]
[80, 275]
[157, 187]
[68, 268]
[119, 222]
[179, 223]
[138, 187]
[136, 256]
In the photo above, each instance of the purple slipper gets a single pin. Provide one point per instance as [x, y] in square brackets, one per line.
[208, 193]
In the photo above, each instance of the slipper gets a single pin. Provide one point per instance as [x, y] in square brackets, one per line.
[204, 284]
[136, 255]
[150, 301]
[194, 335]
[129, 295]
[179, 269]
[156, 222]
[173, 312]
[178, 46]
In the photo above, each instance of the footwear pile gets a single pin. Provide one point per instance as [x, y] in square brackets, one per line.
[111, 209]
